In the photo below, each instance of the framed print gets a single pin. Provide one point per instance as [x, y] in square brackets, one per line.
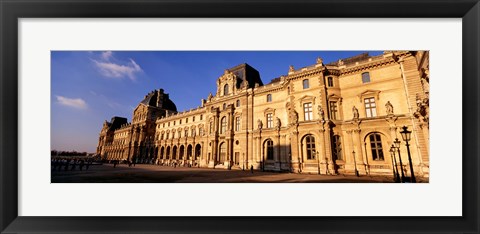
[211, 116]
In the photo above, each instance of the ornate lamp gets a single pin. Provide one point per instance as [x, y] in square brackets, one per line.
[406, 137]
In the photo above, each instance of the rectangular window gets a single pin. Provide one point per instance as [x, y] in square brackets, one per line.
[269, 98]
[211, 127]
[193, 120]
[186, 120]
[237, 124]
[201, 117]
[365, 77]
[333, 110]
[307, 109]
[306, 85]
[330, 81]
[370, 107]
[269, 120]
[186, 132]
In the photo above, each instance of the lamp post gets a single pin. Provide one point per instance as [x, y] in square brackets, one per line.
[406, 137]
[397, 145]
[355, 164]
[394, 162]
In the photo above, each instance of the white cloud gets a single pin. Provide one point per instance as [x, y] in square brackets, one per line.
[77, 103]
[107, 55]
[108, 68]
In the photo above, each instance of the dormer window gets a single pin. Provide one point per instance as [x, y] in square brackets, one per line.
[225, 90]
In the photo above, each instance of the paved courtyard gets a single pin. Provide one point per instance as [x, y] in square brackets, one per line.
[143, 173]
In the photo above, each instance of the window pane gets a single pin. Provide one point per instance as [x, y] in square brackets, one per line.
[305, 84]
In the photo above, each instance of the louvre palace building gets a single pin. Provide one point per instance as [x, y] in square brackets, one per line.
[338, 118]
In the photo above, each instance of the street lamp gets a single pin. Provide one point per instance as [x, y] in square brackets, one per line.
[406, 137]
[397, 145]
[394, 162]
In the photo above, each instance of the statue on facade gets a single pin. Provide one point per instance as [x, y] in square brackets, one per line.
[291, 69]
[278, 123]
[210, 97]
[319, 60]
[355, 113]
[294, 117]
[389, 108]
[340, 62]
[321, 112]
[259, 124]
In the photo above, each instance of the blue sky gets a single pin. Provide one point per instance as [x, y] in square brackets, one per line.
[88, 87]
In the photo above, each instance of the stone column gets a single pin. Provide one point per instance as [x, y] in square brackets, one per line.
[296, 161]
[323, 167]
[361, 165]
[278, 160]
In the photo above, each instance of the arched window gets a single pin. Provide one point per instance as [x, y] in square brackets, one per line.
[310, 147]
[225, 89]
[336, 148]
[268, 149]
[376, 146]
[306, 85]
[365, 77]
[223, 126]
[182, 152]
[238, 103]
[269, 98]
[222, 152]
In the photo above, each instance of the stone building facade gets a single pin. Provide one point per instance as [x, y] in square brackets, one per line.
[336, 118]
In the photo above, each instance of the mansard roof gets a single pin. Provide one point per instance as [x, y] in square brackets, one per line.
[158, 98]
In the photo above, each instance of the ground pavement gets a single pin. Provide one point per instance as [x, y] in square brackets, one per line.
[145, 173]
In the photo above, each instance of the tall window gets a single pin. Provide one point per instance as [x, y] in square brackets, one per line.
[179, 133]
[310, 146]
[225, 89]
[223, 152]
[193, 119]
[186, 120]
[330, 81]
[336, 148]
[370, 107]
[237, 124]
[306, 85]
[376, 145]
[168, 135]
[365, 77]
[161, 138]
[186, 132]
[193, 132]
[211, 127]
[269, 149]
[269, 98]
[201, 117]
[238, 103]
[173, 135]
[223, 125]
[307, 110]
[269, 120]
[224, 106]
[200, 131]
[333, 110]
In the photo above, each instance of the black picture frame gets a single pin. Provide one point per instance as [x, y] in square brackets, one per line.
[11, 11]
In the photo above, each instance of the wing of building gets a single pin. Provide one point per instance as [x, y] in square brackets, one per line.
[336, 118]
